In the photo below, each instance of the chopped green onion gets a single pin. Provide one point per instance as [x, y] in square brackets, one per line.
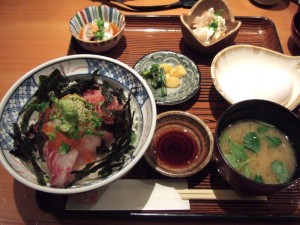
[63, 149]
[100, 33]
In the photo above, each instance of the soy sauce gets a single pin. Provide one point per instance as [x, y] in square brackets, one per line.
[176, 148]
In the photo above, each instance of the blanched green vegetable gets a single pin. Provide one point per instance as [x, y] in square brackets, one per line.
[157, 78]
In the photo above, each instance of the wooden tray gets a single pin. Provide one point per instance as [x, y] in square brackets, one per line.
[145, 34]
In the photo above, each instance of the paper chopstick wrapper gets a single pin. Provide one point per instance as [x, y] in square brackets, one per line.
[150, 194]
[132, 194]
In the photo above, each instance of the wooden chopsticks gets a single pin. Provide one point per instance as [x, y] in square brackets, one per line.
[216, 194]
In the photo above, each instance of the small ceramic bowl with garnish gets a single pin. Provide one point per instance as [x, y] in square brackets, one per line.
[98, 28]
[257, 147]
[182, 145]
[209, 26]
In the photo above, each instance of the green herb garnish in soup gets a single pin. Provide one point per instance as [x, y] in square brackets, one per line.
[259, 151]
[251, 141]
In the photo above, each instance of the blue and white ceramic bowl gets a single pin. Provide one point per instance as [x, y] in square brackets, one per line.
[190, 83]
[92, 13]
[111, 70]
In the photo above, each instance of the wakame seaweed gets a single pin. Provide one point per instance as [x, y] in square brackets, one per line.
[29, 138]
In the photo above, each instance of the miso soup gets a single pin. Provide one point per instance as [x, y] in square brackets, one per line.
[259, 151]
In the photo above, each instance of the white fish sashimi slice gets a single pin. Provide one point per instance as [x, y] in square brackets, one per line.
[60, 166]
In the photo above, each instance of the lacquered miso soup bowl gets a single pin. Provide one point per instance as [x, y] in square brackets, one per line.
[296, 28]
[267, 2]
[267, 112]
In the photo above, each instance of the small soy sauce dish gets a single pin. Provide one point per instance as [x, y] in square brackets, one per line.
[182, 145]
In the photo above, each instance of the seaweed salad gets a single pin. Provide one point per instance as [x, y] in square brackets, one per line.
[73, 130]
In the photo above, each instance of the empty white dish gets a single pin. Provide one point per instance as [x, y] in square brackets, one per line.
[243, 72]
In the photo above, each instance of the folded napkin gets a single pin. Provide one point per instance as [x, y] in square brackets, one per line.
[132, 194]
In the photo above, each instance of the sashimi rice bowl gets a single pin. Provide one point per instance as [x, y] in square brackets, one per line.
[75, 124]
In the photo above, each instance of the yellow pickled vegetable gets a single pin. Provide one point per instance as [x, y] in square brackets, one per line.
[171, 81]
[173, 74]
[178, 71]
[167, 67]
